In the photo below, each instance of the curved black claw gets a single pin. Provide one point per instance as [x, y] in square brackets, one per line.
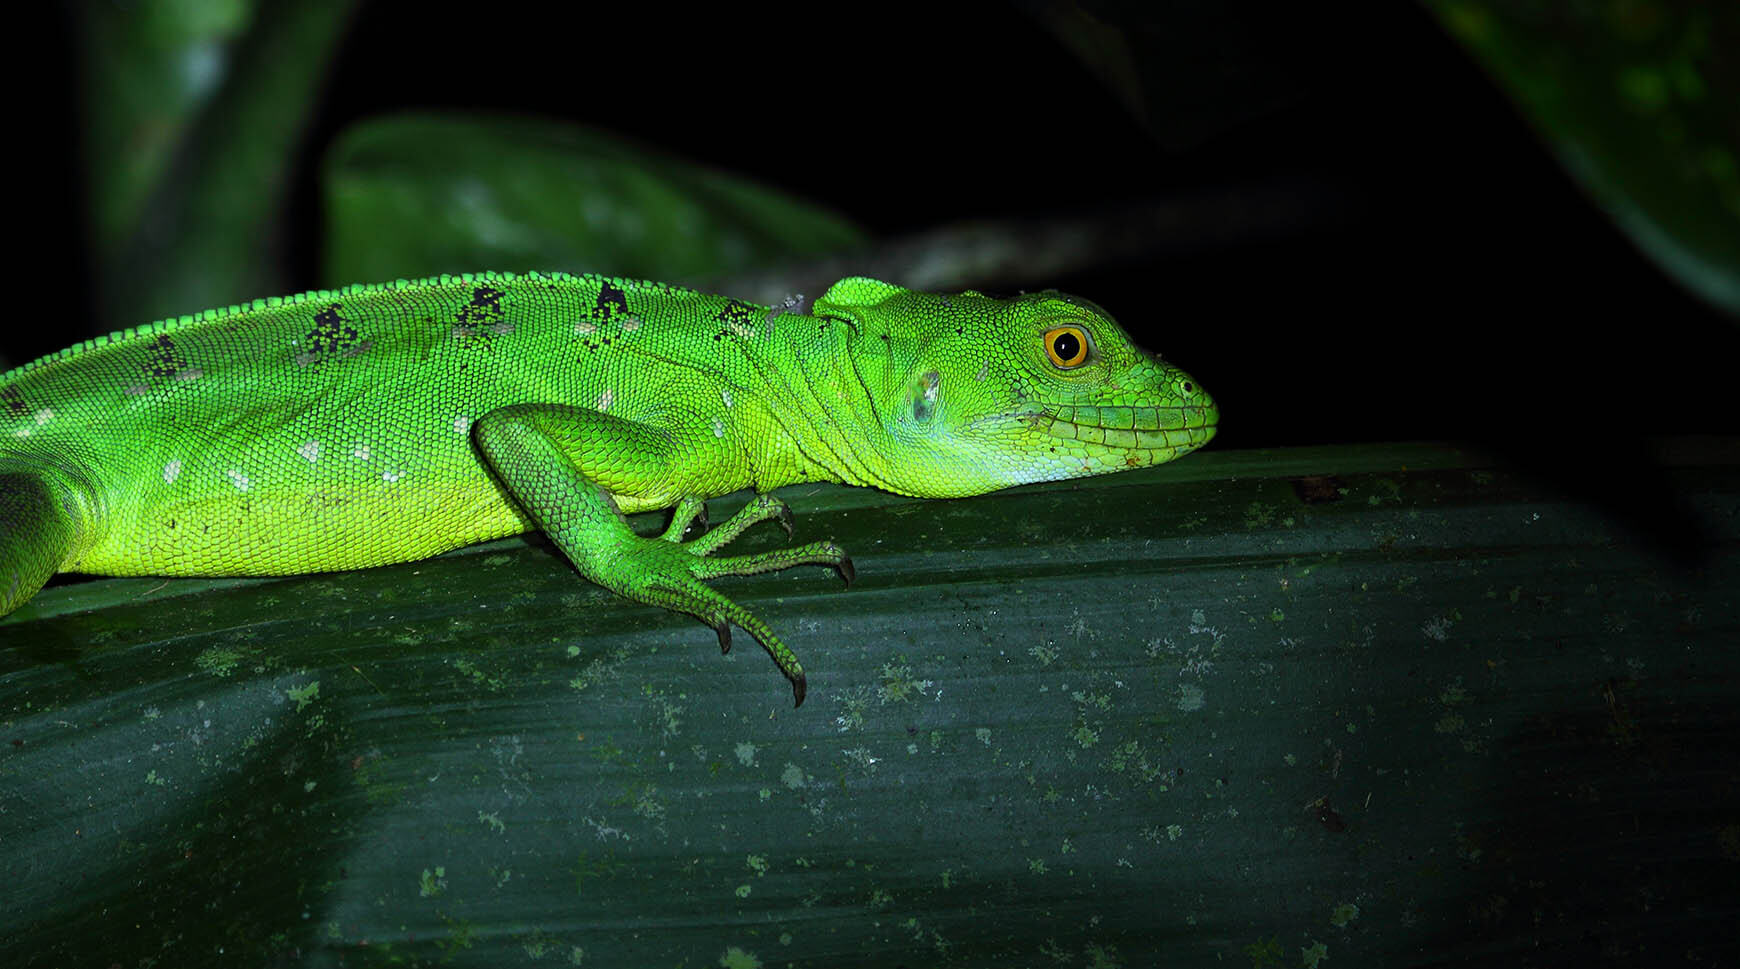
[799, 686]
[847, 572]
[724, 631]
[784, 519]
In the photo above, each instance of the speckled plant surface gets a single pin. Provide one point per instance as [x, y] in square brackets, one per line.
[1362, 706]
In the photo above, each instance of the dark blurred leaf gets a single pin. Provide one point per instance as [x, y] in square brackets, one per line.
[1250, 708]
[421, 195]
[194, 115]
[150, 69]
[1638, 99]
[1006, 254]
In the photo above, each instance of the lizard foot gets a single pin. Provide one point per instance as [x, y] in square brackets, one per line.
[669, 573]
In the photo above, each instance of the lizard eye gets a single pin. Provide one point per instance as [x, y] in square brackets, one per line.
[1067, 346]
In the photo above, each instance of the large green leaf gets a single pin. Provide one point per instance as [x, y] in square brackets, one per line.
[418, 195]
[1249, 709]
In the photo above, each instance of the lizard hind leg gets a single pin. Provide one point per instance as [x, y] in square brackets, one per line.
[37, 532]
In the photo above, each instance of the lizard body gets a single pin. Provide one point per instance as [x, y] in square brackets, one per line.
[386, 423]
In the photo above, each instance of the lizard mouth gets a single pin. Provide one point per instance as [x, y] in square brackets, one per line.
[1171, 430]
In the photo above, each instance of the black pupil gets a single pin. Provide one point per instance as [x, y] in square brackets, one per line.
[1067, 345]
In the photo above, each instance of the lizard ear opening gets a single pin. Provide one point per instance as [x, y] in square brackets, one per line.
[921, 397]
[856, 291]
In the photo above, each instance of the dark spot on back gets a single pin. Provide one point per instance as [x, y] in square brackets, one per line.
[332, 335]
[736, 311]
[166, 359]
[14, 401]
[612, 302]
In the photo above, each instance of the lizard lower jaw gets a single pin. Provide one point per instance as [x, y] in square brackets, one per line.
[1169, 429]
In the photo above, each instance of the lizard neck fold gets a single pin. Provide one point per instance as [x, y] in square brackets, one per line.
[825, 404]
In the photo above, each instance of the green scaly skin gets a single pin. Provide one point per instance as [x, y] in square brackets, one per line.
[376, 424]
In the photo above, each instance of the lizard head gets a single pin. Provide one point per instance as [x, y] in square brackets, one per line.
[974, 394]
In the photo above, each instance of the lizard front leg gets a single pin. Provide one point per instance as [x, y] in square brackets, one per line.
[562, 464]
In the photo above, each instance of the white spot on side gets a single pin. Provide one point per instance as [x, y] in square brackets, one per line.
[462, 425]
[391, 476]
[984, 370]
[718, 427]
[135, 390]
[725, 395]
[171, 471]
[239, 479]
[605, 399]
[21, 432]
[360, 452]
[630, 324]
[191, 373]
[585, 328]
[44, 415]
[311, 451]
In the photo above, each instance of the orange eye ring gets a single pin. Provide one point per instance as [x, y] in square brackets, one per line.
[1067, 346]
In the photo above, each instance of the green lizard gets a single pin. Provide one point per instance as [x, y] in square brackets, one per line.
[375, 424]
